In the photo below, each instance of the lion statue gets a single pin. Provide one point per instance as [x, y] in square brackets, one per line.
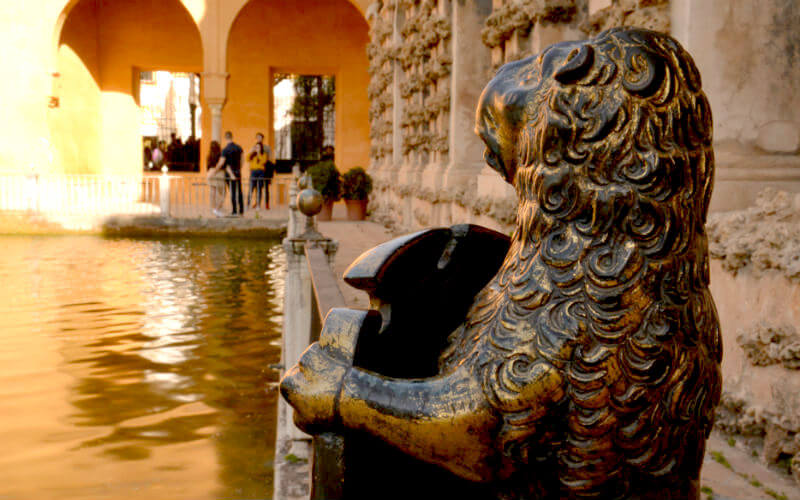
[588, 362]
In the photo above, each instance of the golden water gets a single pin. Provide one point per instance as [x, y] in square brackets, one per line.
[138, 369]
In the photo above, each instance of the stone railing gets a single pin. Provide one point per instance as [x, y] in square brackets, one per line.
[311, 290]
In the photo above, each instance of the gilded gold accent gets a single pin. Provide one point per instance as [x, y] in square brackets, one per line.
[589, 365]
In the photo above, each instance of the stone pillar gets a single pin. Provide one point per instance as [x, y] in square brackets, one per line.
[298, 311]
[292, 229]
[746, 54]
[215, 92]
[163, 192]
[296, 323]
[469, 74]
[216, 121]
[397, 104]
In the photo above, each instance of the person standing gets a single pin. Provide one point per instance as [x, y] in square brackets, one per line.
[216, 179]
[157, 156]
[258, 158]
[269, 173]
[231, 159]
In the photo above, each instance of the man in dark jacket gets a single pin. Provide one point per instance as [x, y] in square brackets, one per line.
[231, 159]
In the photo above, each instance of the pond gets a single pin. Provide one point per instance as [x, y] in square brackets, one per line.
[138, 368]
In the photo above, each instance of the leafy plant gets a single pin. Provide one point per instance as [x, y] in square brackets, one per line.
[326, 179]
[356, 185]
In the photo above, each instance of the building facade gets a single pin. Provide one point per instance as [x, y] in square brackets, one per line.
[70, 98]
[429, 60]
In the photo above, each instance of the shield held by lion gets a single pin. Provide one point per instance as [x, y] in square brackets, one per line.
[581, 357]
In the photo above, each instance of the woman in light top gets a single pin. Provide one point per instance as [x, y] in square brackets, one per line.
[258, 159]
[216, 179]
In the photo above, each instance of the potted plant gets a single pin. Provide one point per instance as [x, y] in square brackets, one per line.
[356, 186]
[326, 179]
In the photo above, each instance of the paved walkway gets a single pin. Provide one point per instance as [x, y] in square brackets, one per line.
[730, 472]
[354, 239]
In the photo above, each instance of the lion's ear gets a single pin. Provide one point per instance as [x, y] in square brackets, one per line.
[576, 66]
[644, 72]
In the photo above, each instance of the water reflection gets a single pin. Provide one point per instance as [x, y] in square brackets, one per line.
[135, 368]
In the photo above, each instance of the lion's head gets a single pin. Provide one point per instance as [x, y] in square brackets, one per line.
[608, 143]
[621, 116]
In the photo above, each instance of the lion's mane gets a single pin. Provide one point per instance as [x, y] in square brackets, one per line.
[607, 276]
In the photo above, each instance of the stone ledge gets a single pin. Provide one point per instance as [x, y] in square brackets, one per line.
[141, 226]
[156, 226]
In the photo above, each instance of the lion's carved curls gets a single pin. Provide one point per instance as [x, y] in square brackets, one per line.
[598, 341]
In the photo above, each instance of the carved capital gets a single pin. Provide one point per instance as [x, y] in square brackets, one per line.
[214, 88]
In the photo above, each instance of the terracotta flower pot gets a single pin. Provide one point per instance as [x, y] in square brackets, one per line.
[356, 209]
[327, 211]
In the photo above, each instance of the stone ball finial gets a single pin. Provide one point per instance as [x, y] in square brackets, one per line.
[309, 201]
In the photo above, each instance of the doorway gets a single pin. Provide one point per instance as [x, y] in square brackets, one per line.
[304, 119]
[171, 114]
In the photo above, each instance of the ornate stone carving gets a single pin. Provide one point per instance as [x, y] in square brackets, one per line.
[381, 53]
[520, 16]
[774, 434]
[759, 239]
[424, 56]
[509, 29]
[648, 14]
[767, 345]
[583, 355]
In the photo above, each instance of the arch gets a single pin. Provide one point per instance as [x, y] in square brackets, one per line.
[276, 34]
[96, 128]
[195, 8]
[360, 5]
[57, 30]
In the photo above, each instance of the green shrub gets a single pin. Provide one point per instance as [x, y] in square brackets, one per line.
[356, 184]
[326, 179]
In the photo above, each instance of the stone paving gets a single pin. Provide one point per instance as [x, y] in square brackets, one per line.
[730, 472]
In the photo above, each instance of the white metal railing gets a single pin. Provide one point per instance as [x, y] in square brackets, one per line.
[78, 194]
[98, 195]
[190, 194]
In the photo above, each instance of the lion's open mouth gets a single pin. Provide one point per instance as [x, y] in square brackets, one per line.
[493, 160]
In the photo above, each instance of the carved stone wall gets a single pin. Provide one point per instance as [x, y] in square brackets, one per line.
[381, 52]
[767, 344]
[413, 54]
[412, 35]
[419, 113]
[760, 239]
[421, 120]
[649, 14]
[425, 58]
[520, 28]
[756, 286]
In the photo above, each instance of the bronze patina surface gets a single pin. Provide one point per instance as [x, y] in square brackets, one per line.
[582, 358]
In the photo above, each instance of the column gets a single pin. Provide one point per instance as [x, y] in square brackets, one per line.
[469, 75]
[215, 93]
[216, 121]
